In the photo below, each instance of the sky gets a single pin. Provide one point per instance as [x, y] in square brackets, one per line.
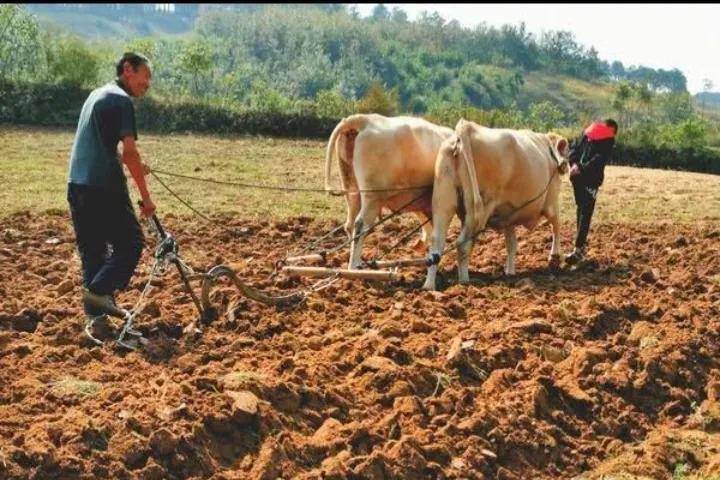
[667, 36]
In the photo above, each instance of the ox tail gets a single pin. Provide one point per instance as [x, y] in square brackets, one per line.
[468, 175]
[335, 151]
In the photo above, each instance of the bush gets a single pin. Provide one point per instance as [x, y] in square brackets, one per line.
[378, 100]
[701, 160]
[330, 104]
[72, 63]
[674, 146]
[545, 116]
[41, 104]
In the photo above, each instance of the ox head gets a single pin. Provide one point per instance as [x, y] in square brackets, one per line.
[560, 150]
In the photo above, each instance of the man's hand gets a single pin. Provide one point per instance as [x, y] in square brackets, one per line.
[146, 169]
[148, 208]
[574, 170]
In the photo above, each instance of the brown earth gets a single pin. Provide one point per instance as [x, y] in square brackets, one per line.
[613, 367]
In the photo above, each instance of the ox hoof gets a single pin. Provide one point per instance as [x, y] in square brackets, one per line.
[555, 261]
[430, 287]
[509, 273]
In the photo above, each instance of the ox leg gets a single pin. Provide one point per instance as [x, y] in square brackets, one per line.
[555, 252]
[353, 203]
[423, 243]
[368, 214]
[426, 234]
[511, 247]
[443, 209]
[467, 237]
[464, 247]
[439, 235]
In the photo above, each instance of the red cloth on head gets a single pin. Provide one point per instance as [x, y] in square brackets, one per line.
[599, 131]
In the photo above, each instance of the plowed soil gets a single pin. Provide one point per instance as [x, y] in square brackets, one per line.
[610, 367]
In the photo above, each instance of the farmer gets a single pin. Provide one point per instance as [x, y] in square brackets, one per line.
[588, 155]
[102, 214]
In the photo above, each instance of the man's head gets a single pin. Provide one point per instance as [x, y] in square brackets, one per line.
[612, 124]
[135, 71]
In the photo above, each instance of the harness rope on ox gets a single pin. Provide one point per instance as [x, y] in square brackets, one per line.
[434, 258]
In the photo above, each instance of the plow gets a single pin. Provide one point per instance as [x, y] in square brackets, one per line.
[312, 265]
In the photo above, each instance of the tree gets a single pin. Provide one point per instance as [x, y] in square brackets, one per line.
[676, 106]
[617, 70]
[399, 15]
[378, 100]
[70, 61]
[380, 13]
[145, 46]
[644, 96]
[707, 88]
[623, 92]
[545, 116]
[330, 104]
[195, 59]
[21, 48]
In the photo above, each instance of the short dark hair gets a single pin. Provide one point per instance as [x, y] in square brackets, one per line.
[612, 124]
[135, 59]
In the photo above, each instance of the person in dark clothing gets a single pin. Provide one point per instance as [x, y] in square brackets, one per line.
[588, 156]
[108, 235]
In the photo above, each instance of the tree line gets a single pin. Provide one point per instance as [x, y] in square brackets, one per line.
[325, 61]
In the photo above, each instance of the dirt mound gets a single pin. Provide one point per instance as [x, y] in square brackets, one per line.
[537, 376]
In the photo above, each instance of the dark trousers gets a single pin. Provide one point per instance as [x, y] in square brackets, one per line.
[585, 200]
[105, 219]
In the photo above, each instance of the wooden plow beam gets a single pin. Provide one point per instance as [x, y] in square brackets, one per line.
[318, 258]
[370, 274]
[378, 275]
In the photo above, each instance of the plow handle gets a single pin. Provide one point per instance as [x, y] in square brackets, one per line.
[156, 221]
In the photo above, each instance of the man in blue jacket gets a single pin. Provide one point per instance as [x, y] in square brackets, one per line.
[588, 156]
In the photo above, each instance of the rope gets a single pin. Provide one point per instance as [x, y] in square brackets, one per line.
[373, 263]
[181, 200]
[434, 259]
[283, 188]
[357, 235]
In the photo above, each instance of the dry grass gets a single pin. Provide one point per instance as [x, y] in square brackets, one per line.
[74, 386]
[34, 162]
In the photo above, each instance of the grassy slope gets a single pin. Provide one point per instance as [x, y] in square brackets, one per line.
[570, 94]
[34, 165]
[91, 27]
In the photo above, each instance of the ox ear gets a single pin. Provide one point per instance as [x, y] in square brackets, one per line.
[562, 146]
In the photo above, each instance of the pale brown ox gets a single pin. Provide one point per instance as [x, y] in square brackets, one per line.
[383, 153]
[501, 178]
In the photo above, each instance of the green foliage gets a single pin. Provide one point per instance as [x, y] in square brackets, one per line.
[545, 116]
[21, 45]
[195, 59]
[265, 98]
[144, 45]
[73, 63]
[330, 104]
[689, 133]
[40, 104]
[289, 70]
[449, 115]
[379, 100]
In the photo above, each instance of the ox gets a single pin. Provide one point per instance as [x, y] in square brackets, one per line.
[383, 153]
[499, 178]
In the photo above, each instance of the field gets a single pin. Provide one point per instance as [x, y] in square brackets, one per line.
[610, 370]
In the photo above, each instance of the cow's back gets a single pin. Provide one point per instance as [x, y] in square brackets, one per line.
[396, 152]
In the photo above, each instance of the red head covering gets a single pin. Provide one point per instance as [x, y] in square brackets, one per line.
[599, 131]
